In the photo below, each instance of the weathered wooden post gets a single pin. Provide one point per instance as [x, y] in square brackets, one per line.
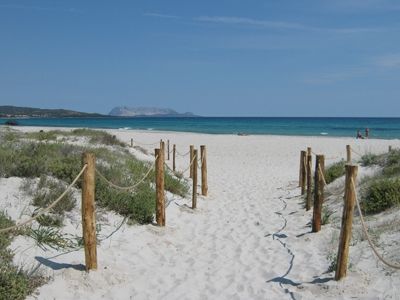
[88, 211]
[173, 157]
[194, 194]
[168, 149]
[348, 154]
[160, 204]
[390, 148]
[190, 160]
[318, 192]
[309, 178]
[301, 167]
[303, 172]
[203, 157]
[347, 222]
[162, 147]
[131, 143]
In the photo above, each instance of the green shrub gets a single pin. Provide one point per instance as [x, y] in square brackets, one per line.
[50, 221]
[98, 137]
[63, 161]
[381, 194]
[335, 171]
[50, 135]
[14, 282]
[138, 204]
[370, 159]
[5, 238]
[175, 185]
[48, 191]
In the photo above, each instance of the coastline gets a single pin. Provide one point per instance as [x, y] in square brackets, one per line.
[229, 247]
[380, 128]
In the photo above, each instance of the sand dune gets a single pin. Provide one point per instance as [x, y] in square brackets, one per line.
[249, 239]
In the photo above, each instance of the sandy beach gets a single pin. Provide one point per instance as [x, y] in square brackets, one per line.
[249, 239]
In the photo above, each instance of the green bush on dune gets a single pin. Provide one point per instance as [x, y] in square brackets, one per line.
[335, 171]
[63, 162]
[14, 282]
[381, 194]
[42, 155]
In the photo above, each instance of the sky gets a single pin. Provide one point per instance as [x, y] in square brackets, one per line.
[209, 57]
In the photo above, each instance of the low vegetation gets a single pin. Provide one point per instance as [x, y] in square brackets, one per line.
[383, 190]
[334, 171]
[15, 283]
[49, 161]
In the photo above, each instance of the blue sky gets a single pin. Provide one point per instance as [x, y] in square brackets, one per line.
[214, 58]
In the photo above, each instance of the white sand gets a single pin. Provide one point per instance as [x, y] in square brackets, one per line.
[249, 239]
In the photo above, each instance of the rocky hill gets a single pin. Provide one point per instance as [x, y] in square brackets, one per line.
[124, 111]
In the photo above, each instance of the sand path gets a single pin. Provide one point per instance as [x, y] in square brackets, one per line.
[249, 239]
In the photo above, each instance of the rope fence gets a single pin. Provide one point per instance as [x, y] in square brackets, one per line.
[88, 172]
[46, 209]
[351, 201]
[365, 231]
[127, 188]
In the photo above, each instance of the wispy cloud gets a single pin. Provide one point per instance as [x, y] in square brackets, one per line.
[251, 22]
[39, 8]
[388, 61]
[157, 15]
[282, 25]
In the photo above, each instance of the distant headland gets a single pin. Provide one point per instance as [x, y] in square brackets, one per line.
[125, 111]
[8, 111]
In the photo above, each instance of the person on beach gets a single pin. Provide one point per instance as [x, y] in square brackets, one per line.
[359, 135]
[366, 133]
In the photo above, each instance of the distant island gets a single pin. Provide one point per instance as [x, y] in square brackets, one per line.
[124, 111]
[9, 111]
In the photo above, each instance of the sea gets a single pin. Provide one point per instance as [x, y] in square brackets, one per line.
[382, 128]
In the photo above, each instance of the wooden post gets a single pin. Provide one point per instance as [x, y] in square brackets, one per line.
[162, 147]
[309, 178]
[348, 154]
[301, 167]
[203, 157]
[318, 192]
[173, 157]
[347, 222]
[303, 172]
[88, 211]
[160, 204]
[194, 194]
[131, 143]
[168, 149]
[390, 148]
[190, 160]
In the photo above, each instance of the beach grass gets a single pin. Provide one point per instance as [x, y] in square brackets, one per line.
[48, 162]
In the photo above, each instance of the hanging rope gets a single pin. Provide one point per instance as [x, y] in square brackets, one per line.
[365, 230]
[191, 163]
[322, 174]
[127, 188]
[43, 210]
[185, 154]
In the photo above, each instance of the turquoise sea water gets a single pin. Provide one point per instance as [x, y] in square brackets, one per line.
[379, 127]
